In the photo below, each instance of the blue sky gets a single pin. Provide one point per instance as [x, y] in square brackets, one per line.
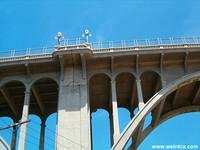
[34, 23]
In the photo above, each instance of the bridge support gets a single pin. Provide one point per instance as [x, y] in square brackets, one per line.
[23, 129]
[114, 113]
[42, 135]
[14, 137]
[137, 135]
[73, 123]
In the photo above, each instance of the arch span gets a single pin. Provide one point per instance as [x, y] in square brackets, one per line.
[169, 115]
[150, 105]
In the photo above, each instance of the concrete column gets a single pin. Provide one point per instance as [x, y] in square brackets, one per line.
[139, 93]
[137, 135]
[111, 129]
[114, 112]
[90, 133]
[89, 115]
[23, 128]
[42, 134]
[131, 116]
[73, 122]
[14, 137]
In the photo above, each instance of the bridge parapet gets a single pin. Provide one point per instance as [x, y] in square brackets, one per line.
[106, 46]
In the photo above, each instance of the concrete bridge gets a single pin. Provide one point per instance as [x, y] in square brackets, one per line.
[160, 77]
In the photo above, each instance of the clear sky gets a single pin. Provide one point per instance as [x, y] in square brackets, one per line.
[34, 23]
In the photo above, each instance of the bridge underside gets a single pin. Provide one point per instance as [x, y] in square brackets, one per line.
[76, 82]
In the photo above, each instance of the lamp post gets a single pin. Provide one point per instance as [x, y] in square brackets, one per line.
[86, 34]
[59, 37]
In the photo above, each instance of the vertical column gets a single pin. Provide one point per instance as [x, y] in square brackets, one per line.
[89, 116]
[131, 116]
[114, 113]
[14, 136]
[42, 134]
[73, 117]
[137, 135]
[163, 82]
[139, 93]
[111, 129]
[90, 133]
[23, 128]
[85, 116]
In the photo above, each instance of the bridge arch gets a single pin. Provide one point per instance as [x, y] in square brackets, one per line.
[151, 84]
[99, 72]
[12, 91]
[45, 95]
[169, 115]
[50, 77]
[13, 79]
[124, 71]
[99, 91]
[150, 70]
[126, 90]
[151, 104]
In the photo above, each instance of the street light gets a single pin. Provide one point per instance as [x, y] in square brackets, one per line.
[86, 34]
[59, 37]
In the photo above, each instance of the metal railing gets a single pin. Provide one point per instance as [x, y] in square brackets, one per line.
[103, 45]
[26, 52]
[73, 42]
[144, 43]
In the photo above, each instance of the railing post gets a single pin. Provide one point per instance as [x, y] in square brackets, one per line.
[184, 40]
[160, 40]
[28, 51]
[11, 53]
[124, 43]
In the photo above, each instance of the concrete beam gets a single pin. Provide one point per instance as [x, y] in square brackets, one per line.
[9, 100]
[38, 99]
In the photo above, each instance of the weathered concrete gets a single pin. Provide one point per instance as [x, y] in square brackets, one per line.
[73, 120]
